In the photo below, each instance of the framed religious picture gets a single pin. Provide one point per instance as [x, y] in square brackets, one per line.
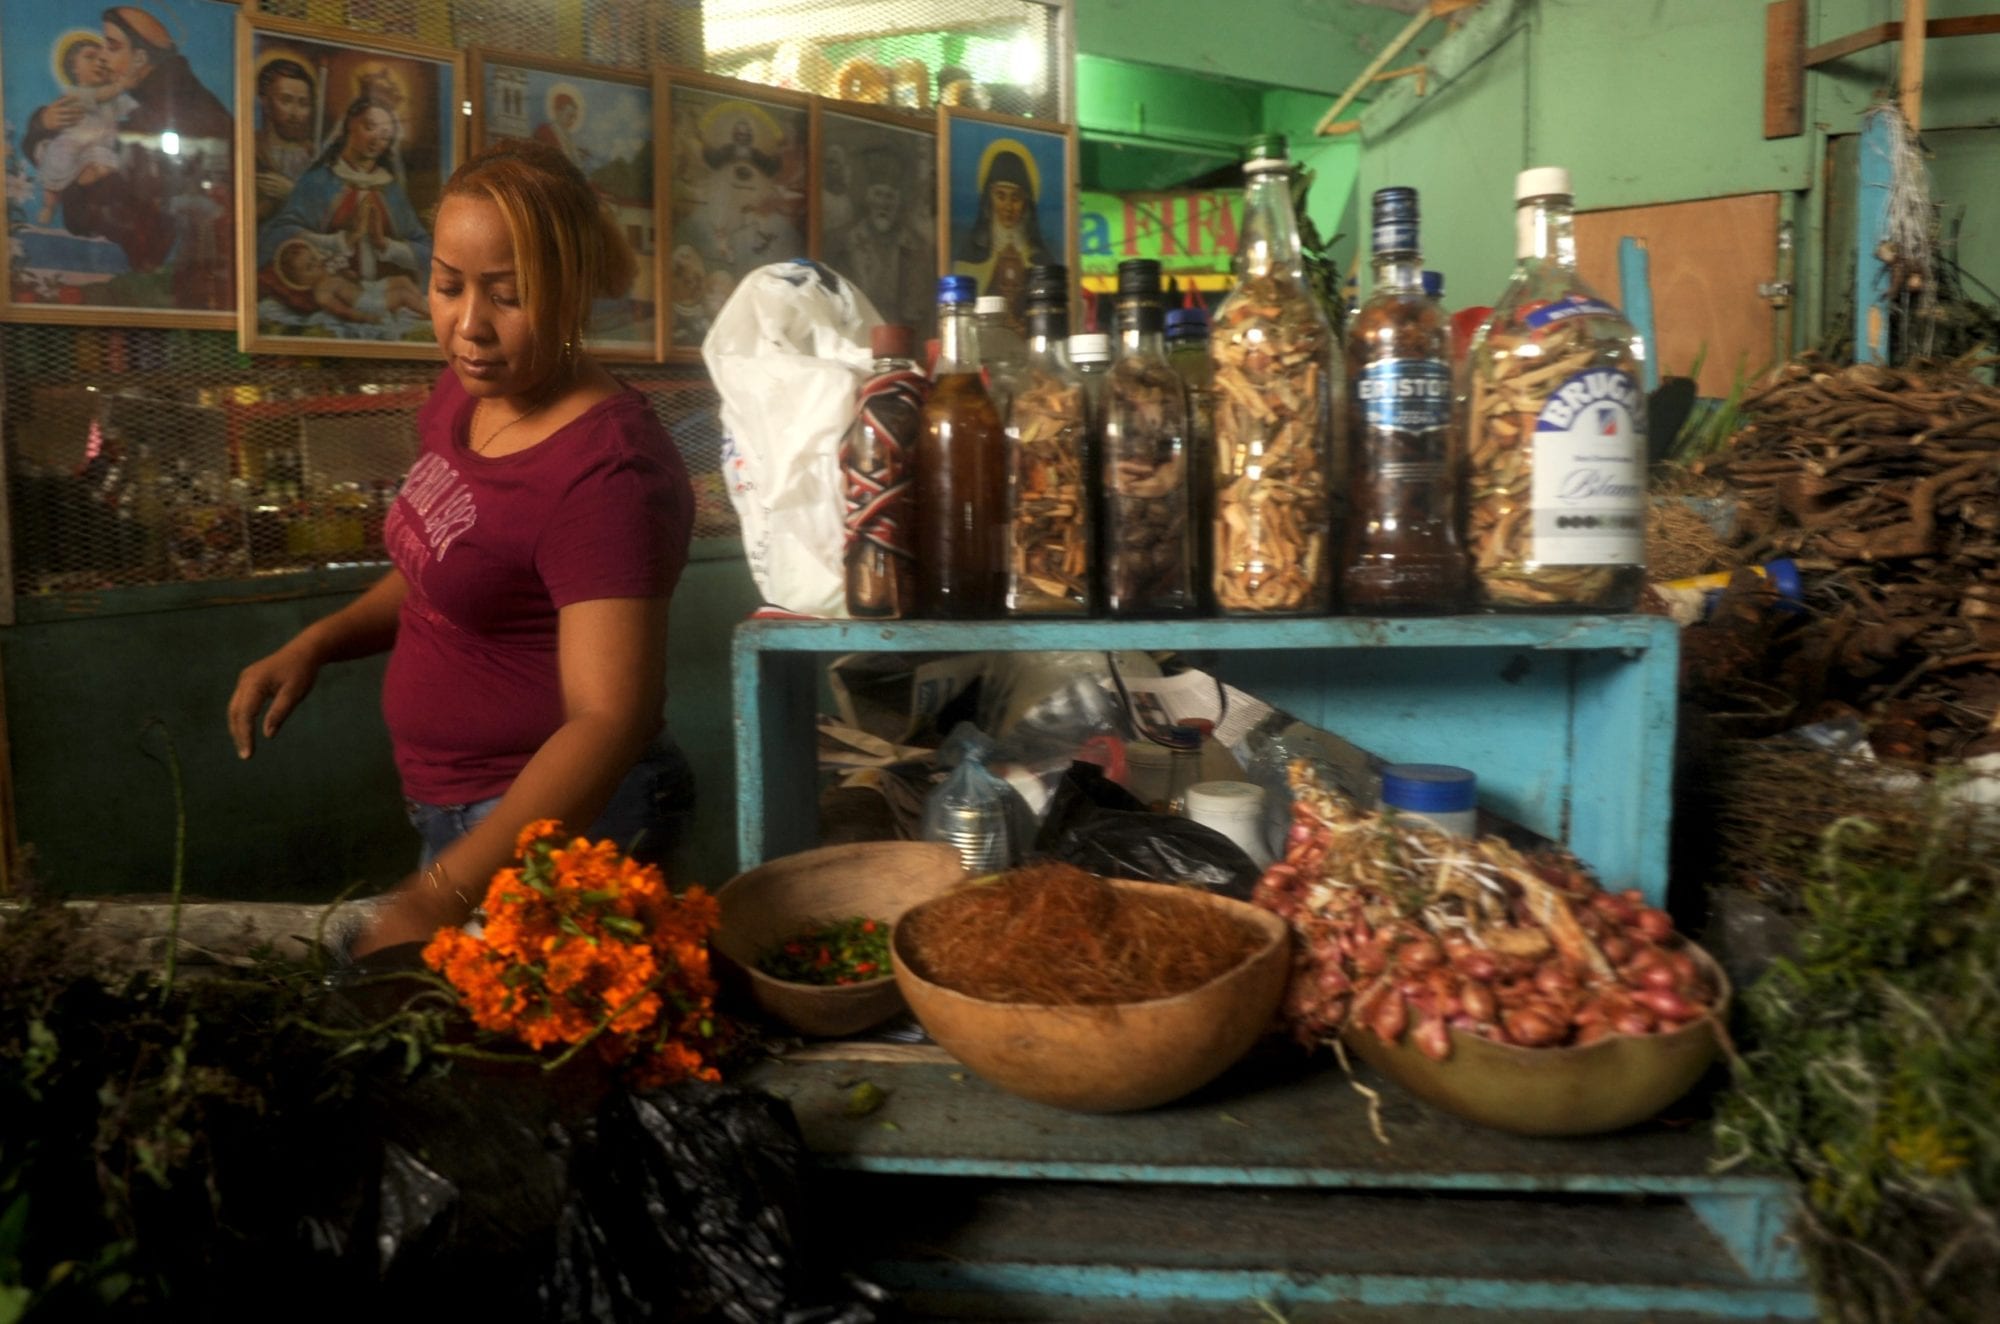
[734, 176]
[603, 121]
[1006, 199]
[345, 147]
[875, 182]
[120, 186]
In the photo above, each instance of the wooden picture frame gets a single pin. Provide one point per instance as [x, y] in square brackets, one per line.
[970, 144]
[888, 246]
[755, 140]
[603, 120]
[141, 230]
[317, 273]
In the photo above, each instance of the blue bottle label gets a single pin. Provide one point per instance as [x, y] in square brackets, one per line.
[1568, 309]
[1406, 395]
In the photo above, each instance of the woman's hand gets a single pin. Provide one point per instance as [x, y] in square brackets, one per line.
[282, 680]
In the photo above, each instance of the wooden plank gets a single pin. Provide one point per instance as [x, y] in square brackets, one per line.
[1970, 25]
[1784, 73]
[1910, 77]
[1871, 222]
[1635, 296]
[1275, 1120]
[1382, 57]
[1854, 41]
[1706, 259]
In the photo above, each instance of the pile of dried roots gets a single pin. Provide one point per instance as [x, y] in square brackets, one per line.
[1884, 484]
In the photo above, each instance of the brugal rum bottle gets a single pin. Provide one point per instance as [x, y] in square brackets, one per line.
[1402, 552]
[961, 506]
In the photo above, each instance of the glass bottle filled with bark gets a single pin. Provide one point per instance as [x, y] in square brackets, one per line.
[1276, 431]
[1050, 520]
[1147, 510]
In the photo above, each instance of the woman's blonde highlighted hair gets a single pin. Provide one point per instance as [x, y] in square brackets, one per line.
[568, 247]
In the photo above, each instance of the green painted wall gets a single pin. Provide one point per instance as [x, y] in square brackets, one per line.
[1317, 45]
[1143, 127]
[317, 808]
[1658, 101]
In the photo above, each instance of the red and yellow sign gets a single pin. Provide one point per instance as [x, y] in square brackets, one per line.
[1192, 235]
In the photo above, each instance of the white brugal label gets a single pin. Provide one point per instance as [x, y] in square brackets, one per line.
[1590, 475]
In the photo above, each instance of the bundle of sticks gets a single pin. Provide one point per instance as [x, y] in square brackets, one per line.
[1884, 484]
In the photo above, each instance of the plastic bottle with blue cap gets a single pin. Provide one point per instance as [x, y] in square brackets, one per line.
[1447, 797]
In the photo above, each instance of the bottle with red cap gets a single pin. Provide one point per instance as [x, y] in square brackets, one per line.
[877, 468]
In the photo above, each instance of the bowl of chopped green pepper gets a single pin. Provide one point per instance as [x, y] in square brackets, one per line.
[808, 933]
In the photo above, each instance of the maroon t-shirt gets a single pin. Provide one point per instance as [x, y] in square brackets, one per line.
[492, 549]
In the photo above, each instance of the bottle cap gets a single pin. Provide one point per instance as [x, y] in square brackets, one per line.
[1090, 347]
[1183, 737]
[1048, 282]
[1542, 182]
[1784, 576]
[1266, 151]
[1429, 788]
[1393, 212]
[1140, 277]
[955, 289]
[890, 341]
[1434, 284]
[1187, 323]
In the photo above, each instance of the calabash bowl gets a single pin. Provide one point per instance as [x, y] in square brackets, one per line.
[782, 898]
[1117, 1057]
[1613, 1083]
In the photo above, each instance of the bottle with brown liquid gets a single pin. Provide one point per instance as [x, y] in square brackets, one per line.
[961, 506]
[1403, 553]
[877, 458]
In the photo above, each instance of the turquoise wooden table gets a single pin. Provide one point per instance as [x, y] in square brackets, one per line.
[1269, 1186]
[1266, 1196]
[1568, 720]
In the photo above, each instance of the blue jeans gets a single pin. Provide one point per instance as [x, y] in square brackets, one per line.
[646, 815]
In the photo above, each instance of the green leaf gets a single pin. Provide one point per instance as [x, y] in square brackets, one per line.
[631, 928]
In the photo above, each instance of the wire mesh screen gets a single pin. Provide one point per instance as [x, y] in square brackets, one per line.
[144, 456]
[1002, 55]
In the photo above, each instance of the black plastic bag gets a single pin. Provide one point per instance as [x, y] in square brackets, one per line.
[1096, 824]
[561, 1196]
[684, 1204]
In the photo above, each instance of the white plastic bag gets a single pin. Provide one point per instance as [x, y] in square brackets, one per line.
[788, 353]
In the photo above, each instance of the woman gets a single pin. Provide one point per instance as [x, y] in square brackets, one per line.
[535, 543]
[351, 206]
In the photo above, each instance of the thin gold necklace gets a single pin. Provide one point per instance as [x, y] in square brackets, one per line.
[479, 447]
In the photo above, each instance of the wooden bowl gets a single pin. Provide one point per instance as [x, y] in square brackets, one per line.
[1613, 1083]
[782, 898]
[1112, 1058]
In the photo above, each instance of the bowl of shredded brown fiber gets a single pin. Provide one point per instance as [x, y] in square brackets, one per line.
[1091, 994]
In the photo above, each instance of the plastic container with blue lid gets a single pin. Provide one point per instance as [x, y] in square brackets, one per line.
[1446, 796]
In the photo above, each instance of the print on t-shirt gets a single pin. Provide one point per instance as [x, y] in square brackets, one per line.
[438, 498]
